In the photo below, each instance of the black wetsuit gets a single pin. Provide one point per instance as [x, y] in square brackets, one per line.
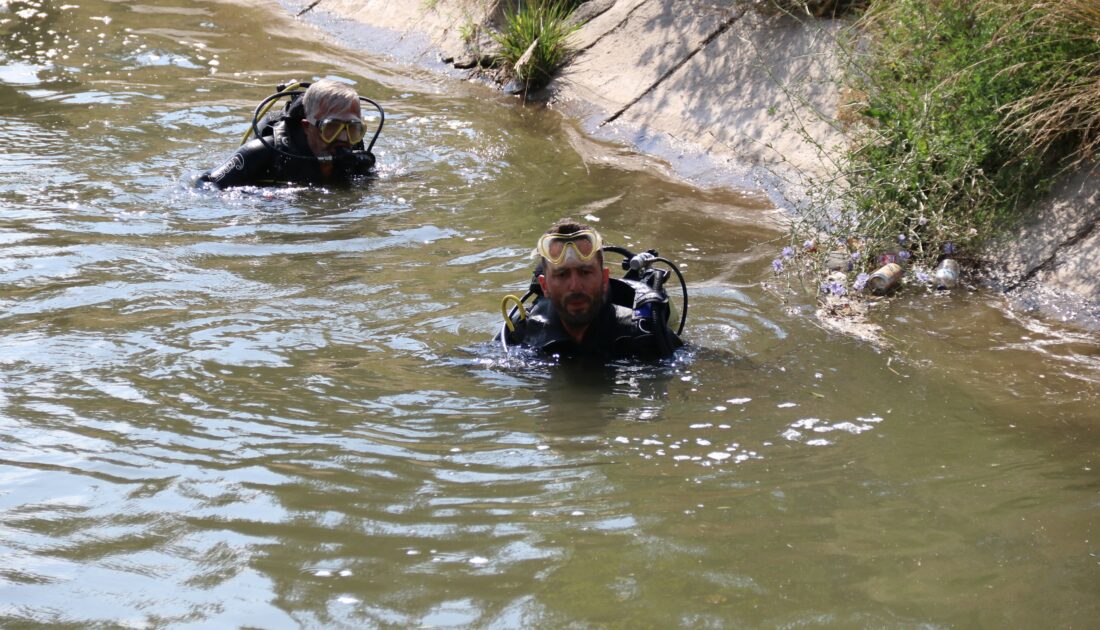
[614, 334]
[255, 164]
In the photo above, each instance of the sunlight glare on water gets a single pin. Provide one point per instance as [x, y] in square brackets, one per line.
[273, 408]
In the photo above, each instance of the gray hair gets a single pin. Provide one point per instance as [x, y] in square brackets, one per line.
[325, 93]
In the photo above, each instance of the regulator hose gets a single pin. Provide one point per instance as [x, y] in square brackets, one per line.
[660, 333]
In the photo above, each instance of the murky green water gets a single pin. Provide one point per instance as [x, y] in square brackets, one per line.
[279, 410]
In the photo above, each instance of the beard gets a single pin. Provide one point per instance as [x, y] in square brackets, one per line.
[577, 317]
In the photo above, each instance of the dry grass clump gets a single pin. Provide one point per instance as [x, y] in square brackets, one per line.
[1064, 113]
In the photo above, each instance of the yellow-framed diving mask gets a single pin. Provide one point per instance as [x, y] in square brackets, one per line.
[584, 244]
[331, 128]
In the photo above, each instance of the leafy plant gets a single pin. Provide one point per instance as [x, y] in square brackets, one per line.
[533, 39]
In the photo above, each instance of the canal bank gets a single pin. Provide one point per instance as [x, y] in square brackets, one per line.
[731, 98]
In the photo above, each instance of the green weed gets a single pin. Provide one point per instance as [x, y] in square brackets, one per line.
[533, 39]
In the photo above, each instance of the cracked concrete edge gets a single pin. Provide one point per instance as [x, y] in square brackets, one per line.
[605, 23]
[720, 103]
[1057, 247]
[1052, 262]
[414, 30]
[722, 28]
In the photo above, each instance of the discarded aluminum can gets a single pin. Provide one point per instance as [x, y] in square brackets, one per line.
[947, 274]
[884, 279]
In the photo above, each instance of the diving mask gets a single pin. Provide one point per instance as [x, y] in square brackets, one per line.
[584, 244]
[331, 128]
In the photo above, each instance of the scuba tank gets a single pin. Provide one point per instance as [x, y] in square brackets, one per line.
[641, 289]
[355, 161]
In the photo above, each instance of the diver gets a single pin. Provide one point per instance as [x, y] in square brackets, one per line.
[581, 312]
[317, 139]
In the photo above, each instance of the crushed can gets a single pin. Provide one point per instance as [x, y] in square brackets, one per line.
[947, 274]
[884, 279]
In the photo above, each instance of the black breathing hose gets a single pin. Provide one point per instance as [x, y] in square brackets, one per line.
[660, 333]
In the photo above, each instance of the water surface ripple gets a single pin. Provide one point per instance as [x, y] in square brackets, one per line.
[279, 408]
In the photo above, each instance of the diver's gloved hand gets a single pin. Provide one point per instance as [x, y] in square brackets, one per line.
[352, 163]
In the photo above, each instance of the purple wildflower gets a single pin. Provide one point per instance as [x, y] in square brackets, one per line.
[787, 252]
[901, 238]
[777, 265]
[834, 287]
[949, 248]
[921, 276]
[857, 255]
[903, 255]
[808, 246]
[861, 281]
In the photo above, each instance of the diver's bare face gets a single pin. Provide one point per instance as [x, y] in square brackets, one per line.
[348, 110]
[576, 289]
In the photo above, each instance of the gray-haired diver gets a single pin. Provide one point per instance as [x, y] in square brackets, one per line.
[316, 139]
[581, 312]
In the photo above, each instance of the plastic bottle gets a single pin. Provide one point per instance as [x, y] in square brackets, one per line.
[884, 279]
[947, 274]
